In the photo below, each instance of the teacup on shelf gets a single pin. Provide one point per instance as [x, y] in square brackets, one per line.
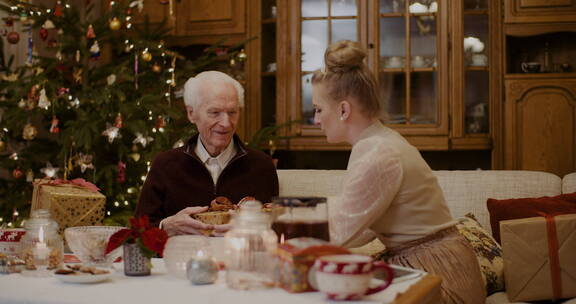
[530, 67]
[479, 60]
[418, 62]
[394, 62]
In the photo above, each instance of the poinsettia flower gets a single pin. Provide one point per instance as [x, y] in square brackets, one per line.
[155, 239]
[117, 239]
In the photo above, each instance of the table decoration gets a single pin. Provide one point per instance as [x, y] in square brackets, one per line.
[202, 269]
[141, 242]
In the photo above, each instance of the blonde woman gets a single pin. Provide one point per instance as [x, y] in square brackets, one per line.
[389, 191]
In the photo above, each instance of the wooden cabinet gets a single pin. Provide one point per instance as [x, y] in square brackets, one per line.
[211, 17]
[417, 52]
[527, 11]
[540, 116]
[190, 18]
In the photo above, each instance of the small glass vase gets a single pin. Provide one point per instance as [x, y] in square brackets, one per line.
[135, 263]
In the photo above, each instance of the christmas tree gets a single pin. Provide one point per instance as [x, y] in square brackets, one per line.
[98, 102]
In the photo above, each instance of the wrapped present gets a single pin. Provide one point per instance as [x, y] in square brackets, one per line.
[538, 257]
[296, 256]
[71, 203]
[10, 241]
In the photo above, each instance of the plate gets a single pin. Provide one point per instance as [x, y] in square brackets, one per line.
[84, 278]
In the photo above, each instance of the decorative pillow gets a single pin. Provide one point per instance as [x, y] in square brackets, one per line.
[487, 250]
[510, 209]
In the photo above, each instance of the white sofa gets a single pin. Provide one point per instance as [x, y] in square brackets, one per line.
[465, 191]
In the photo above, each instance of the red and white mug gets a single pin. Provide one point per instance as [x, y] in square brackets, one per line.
[348, 276]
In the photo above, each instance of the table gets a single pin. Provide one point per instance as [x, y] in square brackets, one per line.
[160, 288]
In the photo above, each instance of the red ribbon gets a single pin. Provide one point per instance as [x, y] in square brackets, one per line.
[79, 182]
[553, 256]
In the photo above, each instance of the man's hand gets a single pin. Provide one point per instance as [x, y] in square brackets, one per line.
[183, 223]
[220, 230]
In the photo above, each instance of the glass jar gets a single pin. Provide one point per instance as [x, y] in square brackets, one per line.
[250, 249]
[42, 247]
[301, 217]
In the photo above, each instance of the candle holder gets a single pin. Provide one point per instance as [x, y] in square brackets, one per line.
[202, 269]
[42, 247]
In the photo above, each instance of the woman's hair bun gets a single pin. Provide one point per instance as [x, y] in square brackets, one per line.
[344, 56]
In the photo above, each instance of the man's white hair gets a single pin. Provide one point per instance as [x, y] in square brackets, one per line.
[193, 86]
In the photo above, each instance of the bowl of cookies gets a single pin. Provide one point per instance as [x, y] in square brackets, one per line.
[89, 243]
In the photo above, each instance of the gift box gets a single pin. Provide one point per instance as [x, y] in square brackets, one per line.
[10, 241]
[71, 203]
[539, 256]
[296, 256]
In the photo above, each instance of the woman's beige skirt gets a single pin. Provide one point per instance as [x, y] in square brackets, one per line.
[448, 255]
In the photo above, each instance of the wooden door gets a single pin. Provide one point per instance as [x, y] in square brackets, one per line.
[211, 17]
[527, 11]
[540, 124]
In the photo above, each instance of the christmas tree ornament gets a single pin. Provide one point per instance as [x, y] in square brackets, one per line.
[90, 32]
[134, 148]
[138, 4]
[156, 68]
[29, 175]
[242, 55]
[135, 156]
[13, 156]
[146, 56]
[178, 144]
[54, 128]
[52, 43]
[160, 123]
[62, 91]
[143, 140]
[13, 37]
[49, 171]
[29, 132]
[115, 24]
[2, 145]
[75, 103]
[43, 34]
[77, 75]
[95, 50]
[77, 56]
[111, 79]
[58, 9]
[121, 177]
[84, 161]
[60, 32]
[48, 24]
[59, 55]
[23, 18]
[118, 122]
[112, 133]
[21, 103]
[43, 101]
[17, 173]
[136, 70]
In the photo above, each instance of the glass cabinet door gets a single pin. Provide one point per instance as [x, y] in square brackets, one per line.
[476, 77]
[321, 23]
[408, 64]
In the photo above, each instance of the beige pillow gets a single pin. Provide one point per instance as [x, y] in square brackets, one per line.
[487, 250]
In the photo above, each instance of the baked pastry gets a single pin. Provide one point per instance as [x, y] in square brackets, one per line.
[217, 214]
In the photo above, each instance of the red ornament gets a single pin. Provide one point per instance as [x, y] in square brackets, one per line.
[118, 122]
[17, 173]
[13, 37]
[54, 128]
[121, 178]
[58, 9]
[90, 33]
[43, 34]
[160, 122]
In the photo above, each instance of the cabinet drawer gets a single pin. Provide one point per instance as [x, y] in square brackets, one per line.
[526, 11]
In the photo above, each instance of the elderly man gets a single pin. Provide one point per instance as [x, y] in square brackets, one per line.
[183, 181]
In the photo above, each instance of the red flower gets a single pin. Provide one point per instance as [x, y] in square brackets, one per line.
[150, 239]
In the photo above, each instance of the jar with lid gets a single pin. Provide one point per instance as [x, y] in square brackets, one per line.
[250, 249]
[41, 247]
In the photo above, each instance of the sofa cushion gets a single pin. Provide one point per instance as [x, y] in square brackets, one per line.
[569, 183]
[310, 182]
[467, 191]
[487, 250]
[501, 210]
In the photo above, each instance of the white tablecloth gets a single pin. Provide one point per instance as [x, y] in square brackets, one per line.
[158, 288]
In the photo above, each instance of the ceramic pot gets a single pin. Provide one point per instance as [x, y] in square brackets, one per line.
[135, 263]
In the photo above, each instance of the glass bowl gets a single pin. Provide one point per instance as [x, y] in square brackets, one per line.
[180, 249]
[89, 243]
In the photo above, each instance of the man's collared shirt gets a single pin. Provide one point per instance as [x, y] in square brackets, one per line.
[215, 165]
